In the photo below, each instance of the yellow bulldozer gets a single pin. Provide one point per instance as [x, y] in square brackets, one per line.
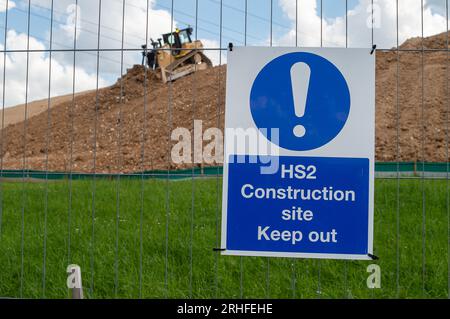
[175, 55]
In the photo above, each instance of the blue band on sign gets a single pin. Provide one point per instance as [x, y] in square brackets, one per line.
[326, 101]
[313, 205]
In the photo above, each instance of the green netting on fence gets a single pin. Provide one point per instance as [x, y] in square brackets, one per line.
[381, 167]
[411, 167]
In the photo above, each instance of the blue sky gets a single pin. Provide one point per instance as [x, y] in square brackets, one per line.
[233, 18]
[184, 13]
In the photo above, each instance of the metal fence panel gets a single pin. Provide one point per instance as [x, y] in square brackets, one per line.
[151, 233]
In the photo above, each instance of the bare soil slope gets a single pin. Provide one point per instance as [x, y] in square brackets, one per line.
[114, 131]
[16, 114]
[132, 134]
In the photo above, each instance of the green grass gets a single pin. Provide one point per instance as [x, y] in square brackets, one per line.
[207, 274]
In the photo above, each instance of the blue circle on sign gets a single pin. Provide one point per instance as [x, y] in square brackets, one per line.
[326, 104]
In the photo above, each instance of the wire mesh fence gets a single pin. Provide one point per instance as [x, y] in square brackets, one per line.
[89, 180]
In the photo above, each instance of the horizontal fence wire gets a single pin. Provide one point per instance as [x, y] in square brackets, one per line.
[175, 213]
[184, 49]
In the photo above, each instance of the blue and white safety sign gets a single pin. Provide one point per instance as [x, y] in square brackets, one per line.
[299, 153]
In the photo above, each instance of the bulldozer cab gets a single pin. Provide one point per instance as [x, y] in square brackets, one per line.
[178, 40]
[175, 55]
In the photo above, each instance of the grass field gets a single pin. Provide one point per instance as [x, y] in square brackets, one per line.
[110, 259]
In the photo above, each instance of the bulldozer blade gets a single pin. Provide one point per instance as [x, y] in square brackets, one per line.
[175, 71]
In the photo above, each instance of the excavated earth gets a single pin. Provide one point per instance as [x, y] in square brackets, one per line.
[105, 133]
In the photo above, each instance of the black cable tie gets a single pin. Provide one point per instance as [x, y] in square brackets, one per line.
[373, 257]
[219, 249]
[374, 47]
[230, 46]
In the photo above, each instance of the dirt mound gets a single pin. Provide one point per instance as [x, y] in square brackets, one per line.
[135, 129]
[16, 114]
[117, 128]
[413, 102]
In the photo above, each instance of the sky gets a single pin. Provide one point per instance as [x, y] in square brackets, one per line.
[216, 23]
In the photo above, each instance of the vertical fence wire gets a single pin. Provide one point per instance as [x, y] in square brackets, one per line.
[192, 217]
[24, 190]
[294, 260]
[371, 21]
[346, 23]
[321, 23]
[169, 122]
[397, 102]
[47, 145]
[346, 262]
[219, 96]
[241, 259]
[144, 139]
[372, 45]
[447, 147]
[72, 137]
[296, 23]
[245, 22]
[94, 168]
[2, 135]
[319, 262]
[119, 155]
[423, 152]
[267, 258]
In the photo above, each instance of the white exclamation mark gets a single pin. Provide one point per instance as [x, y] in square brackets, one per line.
[300, 74]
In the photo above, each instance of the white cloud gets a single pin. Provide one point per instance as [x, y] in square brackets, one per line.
[135, 21]
[87, 14]
[217, 57]
[11, 5]
[436, 4]
[16, 70]
[87, 30]
[359, 23]
[134, 36]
